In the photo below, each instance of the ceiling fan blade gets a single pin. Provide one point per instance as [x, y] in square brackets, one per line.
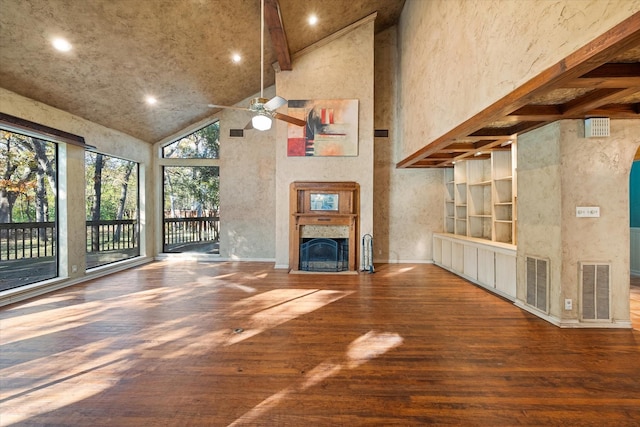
[289, 119]
[275, 103]
[226, 106]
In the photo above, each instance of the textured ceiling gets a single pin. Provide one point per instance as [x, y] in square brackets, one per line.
[177, 51]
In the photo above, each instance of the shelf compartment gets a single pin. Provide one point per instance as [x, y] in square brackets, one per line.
[480, 226]
[479, 200]
[503, 231]
[503, 212]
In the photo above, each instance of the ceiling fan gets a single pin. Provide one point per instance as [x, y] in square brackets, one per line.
[264, 109]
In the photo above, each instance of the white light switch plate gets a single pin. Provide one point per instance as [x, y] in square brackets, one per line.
[588, 211]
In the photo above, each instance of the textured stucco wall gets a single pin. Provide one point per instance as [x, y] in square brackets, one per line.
[558, 170]
[408, 204]
[459, 56]
[247, 188]
[107, 141]
[341, 69]
[539, 207]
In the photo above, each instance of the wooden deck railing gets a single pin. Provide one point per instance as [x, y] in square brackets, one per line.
[189, 230]
[27, 240]
[111, 235]
[39, 239]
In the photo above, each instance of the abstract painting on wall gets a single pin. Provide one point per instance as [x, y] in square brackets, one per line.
[331, 129]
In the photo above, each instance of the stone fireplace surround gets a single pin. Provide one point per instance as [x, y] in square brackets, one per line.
[341, 222]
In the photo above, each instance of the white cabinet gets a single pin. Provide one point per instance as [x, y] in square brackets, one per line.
[491, 265]
[480, 217]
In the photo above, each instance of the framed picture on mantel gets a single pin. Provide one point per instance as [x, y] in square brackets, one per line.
[324, 202]
[331, 129]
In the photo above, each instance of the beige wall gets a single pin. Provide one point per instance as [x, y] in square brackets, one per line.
[558, 170]
[71, 197]
[407, 204]
[247, 188]
[340, 69]
[459, 56]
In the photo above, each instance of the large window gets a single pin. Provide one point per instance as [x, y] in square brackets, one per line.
[191, 188]
[112, 209]
[28, 210]
[201, 144]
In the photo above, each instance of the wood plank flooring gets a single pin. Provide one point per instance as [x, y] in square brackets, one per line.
[242, 344]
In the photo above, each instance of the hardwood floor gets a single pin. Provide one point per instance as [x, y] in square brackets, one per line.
[409, 345]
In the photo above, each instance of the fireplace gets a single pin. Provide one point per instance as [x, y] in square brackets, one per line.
[322, 254]
[324, 226]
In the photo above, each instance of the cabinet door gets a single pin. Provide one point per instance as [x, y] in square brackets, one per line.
[457, 257]
[506, 274]
[437, 250]
[486, 268]
[446, 253]
[471, 262]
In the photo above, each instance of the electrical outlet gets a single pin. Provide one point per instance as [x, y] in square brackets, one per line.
[568, 304]
[74, 268]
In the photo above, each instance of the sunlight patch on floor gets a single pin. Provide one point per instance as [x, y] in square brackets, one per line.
[277, 307]
[362, 349]
[47, 391]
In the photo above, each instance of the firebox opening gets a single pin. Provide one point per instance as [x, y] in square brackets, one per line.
[324, 254]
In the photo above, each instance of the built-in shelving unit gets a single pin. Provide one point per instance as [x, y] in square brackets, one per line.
[480, 197]
[479, 236]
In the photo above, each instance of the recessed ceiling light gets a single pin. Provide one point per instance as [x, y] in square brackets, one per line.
[61, 44]
[236, 58]
[313, 20]
[151, 100]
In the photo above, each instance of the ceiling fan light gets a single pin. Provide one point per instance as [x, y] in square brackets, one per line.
[261, 122]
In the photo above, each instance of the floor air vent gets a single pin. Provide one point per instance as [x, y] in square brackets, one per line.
[538, 283]
[595, 280]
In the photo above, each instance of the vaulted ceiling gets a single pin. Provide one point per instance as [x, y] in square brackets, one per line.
[180, 53]
[176, 51]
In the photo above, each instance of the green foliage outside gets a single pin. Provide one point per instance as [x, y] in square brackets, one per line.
[27, 179]
[193, 188]
[118, 177]
[201, 144]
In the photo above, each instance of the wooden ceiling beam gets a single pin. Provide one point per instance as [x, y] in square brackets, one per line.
[459, 147]
[612, 75]
[440, 156]
[505, 132]
[273, 21]
[617, 111]
[596, 99]
[614, 70]
[537, 113]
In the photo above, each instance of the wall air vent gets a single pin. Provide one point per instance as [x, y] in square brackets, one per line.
[595, 282]
[538, 283]
[596, 127]
[381, 133]
[236, 133]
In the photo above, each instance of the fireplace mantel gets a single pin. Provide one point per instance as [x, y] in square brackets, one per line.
[307, 209]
